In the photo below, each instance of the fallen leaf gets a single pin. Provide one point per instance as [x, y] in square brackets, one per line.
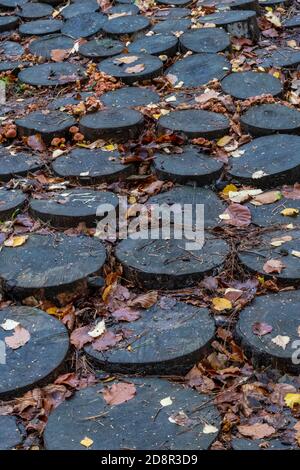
[244, 195]
[126, 314]
[209, 429]
[237, 215]
[273, 266]
[107, 341]
[295, 253]
[258, 174]
[291, 192]
[292, 399]
[20, 337]
[9, 325]
[14, 242]
[126, 59]
[181, 419]
[87, 442]
[119, 393]
[290, 212]
[98, 330]
[166, 402]
[224, 140]
[280, 241]
[80, 336]
[256, 431]
[135, 68]
[281, 341]
[267, 198]
[220, 304]
[261, 329]
[145, 300]
[36, 142]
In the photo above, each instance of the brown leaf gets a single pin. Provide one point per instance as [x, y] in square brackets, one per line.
[126, 314]
[119, 393]
[58, 55]
[106, 341]
[20, 337]
[145, 300]
[135, 68]
[36, 142]
[273, 266]
[291, 192]
[237, 215]
[268, 197]
[80, 336]
[256, 431]
[261, 329]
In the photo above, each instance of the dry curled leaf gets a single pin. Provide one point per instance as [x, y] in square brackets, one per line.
[256, 431]
[145, 300]
[106, 341]
[237, 215]
[281, 341]
[261, 329]
[126, 314]
[80, 336]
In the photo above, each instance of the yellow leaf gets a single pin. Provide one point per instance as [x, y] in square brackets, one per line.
[156, 116]
[292, 399]
[87, 442]
[290, 212]
[132, 199]
[106, 292]
[224, 141]
[109, 147]
[228, 189]
[276, 74]
[52, 311]
[296, 253]
[220, 304]
[13, 242]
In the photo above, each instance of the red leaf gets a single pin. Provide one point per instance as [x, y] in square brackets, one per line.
[239, 216]
[261, 329]
[80, 337]
[36, 142]
[126, 314]
[273, 266]
[119, 393]
[106, 341]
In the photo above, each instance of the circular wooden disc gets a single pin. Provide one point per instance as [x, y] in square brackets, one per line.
[243, 85]
[270, 214]
[127, 9]
[205, 40]
[255, 258]
[143, 67]
[92, 166]
[10, 201]
[189, 166]
[178, 98]
[19, 164]
[174, 2]
[199, 69]
[282, 57]
[172, 26]
[158, 44]
[118, 124]
[12, 49]
[267, 119]
[224, 18]
[80, 8]
[281, 313]
[83, 26]
[15, 66]
[255, 444]
[53, 74]
[34, 10]
[130, 97]
[11, 4]
[131, 24]
[195, 123]
[49, 264]
[172, 13]
[53, 124]
[166, 264]
[153, 428]
[40, 359]
[213, 206]
[9, 432]
[44, 46]
[40, 27]
[293, 22]
[263, 162]
[69, 208]
[101, 48]
[8, 22]
[157, 349]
